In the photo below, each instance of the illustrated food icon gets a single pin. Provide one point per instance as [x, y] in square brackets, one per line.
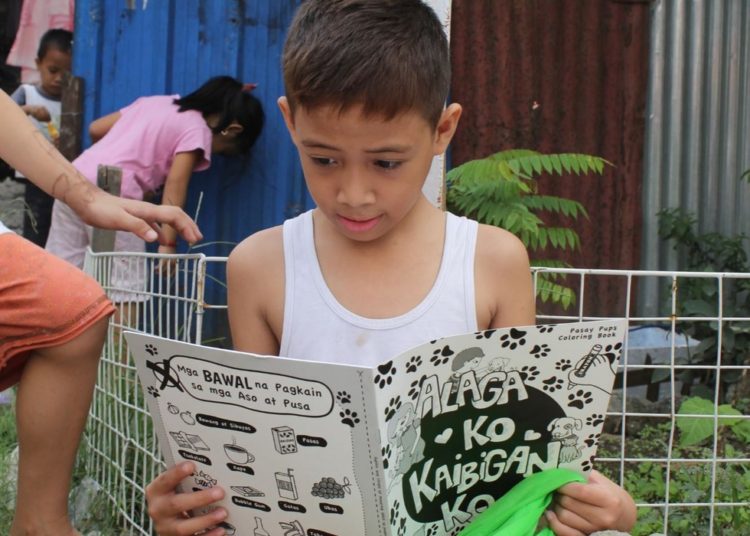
[328, 488]
[237, 453]
[247, 491]
[284, 440]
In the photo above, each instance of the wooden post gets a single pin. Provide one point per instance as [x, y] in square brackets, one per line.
[71, 119]
[109, 179]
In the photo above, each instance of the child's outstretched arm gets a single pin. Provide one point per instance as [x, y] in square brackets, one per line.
[99, 127]
[26, 149]
[600, 504]
[168, 508]
[175, 191]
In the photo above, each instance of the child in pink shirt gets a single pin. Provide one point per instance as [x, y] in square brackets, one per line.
[158, 141]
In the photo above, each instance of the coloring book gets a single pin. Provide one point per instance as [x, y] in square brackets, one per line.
[415, 446]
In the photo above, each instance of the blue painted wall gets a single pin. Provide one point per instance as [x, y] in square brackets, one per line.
[123, 51]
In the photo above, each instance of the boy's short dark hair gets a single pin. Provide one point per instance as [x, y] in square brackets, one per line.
[56, 39]
[389, 56]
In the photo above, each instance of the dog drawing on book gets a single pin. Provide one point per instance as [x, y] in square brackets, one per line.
[563, 430]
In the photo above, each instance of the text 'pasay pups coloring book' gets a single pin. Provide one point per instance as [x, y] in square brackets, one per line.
[415, 446]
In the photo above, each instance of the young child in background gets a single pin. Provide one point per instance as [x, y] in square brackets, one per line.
[41, 102]
[375, 269]
[158, 141]
[52, 325]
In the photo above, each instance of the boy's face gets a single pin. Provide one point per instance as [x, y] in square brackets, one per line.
[366, 173]
[51, 69]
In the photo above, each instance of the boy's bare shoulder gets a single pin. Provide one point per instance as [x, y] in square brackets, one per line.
[500, 248]
[503, 285]
[258, 253]
[259, 248]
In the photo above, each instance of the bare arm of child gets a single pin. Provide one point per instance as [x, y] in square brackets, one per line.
[255, 292]
[26, 149]
[503, 286]
[99, 127]
[175, 191]
[581, 509]
[505, 298]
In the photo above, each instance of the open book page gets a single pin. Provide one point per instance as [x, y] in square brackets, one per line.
[465, 418]
[294, 444]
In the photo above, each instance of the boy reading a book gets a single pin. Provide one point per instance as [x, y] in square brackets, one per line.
[375, 269]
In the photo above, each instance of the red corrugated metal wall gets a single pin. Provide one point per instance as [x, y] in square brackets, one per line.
[561, 76]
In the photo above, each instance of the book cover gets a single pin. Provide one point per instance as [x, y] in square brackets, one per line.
[417, 445]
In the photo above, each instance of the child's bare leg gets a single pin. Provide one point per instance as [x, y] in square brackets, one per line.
[53, 401]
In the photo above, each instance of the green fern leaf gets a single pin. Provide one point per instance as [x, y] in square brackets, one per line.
[556, 164]
[565, 160]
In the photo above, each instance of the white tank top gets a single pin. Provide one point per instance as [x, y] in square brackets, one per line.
[318, 328]
[33, 97]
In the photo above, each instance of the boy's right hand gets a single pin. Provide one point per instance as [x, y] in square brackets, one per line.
[40, 113]
[168, 508]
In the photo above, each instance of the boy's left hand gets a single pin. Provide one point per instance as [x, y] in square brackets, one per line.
[599, 504]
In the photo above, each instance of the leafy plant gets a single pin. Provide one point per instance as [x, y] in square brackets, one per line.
[690, 479]
[501, 190]
[701, 297]
[693, 430]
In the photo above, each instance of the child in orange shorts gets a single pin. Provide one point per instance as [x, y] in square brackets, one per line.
[53, 320]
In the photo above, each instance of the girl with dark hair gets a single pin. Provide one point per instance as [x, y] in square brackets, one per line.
[159, 141]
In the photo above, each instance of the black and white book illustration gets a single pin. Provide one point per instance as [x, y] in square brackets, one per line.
[417, 445]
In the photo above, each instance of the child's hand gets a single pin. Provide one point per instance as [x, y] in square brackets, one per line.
[100, 209]
[40, 113]
[600, 504]
[168, 508]
[167, 267]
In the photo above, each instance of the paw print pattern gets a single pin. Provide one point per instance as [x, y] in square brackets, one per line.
[386, 453]
[528, 373]
[343, 397]
[385, 374]
[588, 464]
[612, 352]
[393, 406]
[152, 350]
[552, 384]
[349, 417]
[153, 391]
[594, 419]
[402, 526]
[394, 513]
[414, 363]
[591, 440]
[415, 386]
[579, 399]
[540, 350]
[431, 530]
[440, 356]
[485, 334]
[513, 339]
[563, 364]
[545, 329]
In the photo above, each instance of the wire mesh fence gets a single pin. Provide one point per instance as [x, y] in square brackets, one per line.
[676, 434]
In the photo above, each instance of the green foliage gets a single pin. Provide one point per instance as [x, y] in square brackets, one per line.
[7, 488]
[689, 481]
[701, 297]
[501, 190]
[693, 430]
